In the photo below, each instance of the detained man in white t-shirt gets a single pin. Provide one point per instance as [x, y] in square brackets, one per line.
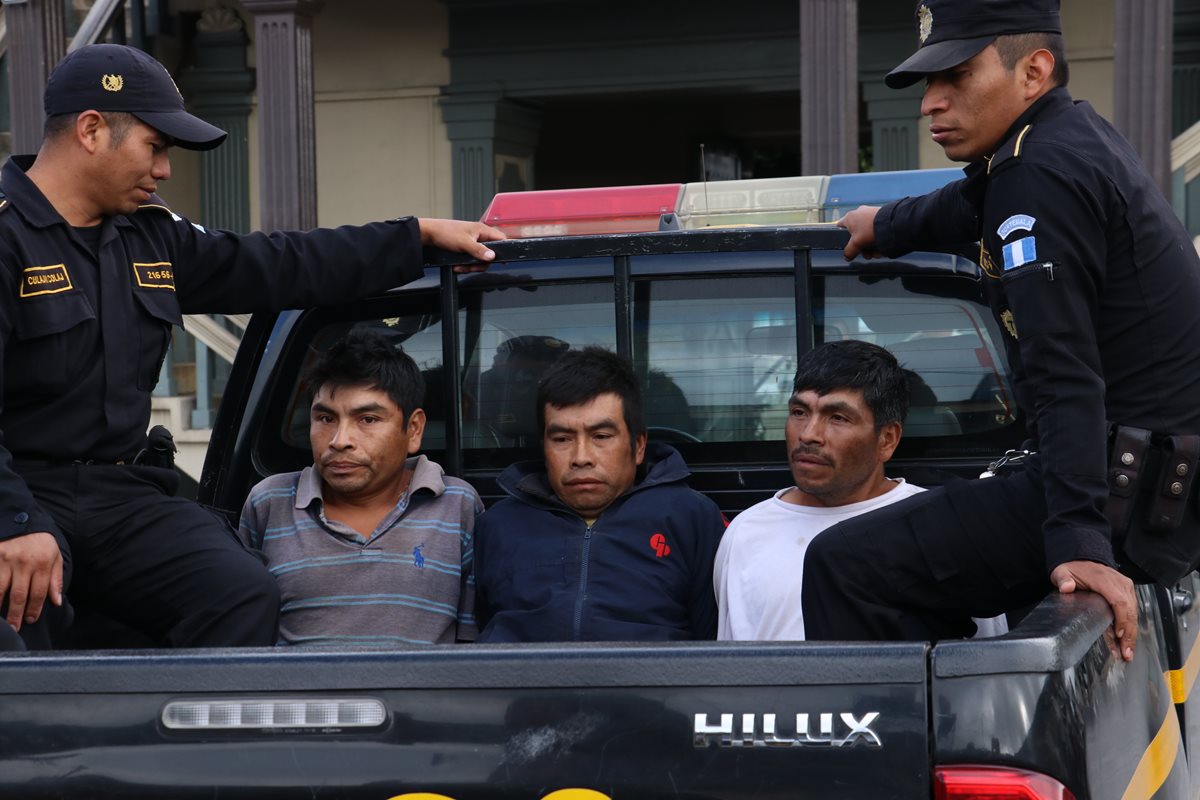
[845, 418]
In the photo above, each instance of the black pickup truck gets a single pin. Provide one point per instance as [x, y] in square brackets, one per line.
[713, 319]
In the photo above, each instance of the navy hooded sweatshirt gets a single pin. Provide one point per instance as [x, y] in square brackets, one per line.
[641, 572]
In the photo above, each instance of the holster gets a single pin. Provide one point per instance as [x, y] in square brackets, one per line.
[1129, 454]
[1174, 482]
[159, 451]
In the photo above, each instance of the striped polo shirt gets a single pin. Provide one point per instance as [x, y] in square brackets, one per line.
[410, 582]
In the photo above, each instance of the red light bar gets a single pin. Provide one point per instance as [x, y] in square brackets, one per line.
[995, 783]
[574, 212]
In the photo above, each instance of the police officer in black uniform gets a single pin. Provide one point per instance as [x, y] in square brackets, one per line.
[97, 269]
[1097, 286]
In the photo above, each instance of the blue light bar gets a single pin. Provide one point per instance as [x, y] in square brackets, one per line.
[848, 192]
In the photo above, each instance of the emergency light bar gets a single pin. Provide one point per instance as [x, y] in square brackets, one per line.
[764, 201]
[574, 212]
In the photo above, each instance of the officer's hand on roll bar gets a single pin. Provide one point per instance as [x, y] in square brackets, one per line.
[861, 224]
[461, 237]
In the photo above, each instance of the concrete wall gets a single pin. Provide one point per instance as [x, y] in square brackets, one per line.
[382, 148]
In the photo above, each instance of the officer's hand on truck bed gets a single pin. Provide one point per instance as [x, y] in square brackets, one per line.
[1114, 588]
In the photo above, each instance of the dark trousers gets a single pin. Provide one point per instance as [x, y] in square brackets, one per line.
[920, 569]
[159, 564]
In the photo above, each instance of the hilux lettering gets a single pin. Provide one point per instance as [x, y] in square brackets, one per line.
[812, 730]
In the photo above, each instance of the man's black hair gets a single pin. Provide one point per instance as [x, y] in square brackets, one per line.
[120, 122]
[854, 364]
[1013, 47]
[366, 358]
[580, 376]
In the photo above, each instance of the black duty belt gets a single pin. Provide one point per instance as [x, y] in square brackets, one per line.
[1162, 467]
[51, 463]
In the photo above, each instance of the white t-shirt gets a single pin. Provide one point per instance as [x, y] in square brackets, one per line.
[760, 564]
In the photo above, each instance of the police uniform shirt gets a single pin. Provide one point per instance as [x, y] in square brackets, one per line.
[1096, 284]
[84, 331]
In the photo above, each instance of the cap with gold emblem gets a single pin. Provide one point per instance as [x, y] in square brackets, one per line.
[113, 77]
[954, 31]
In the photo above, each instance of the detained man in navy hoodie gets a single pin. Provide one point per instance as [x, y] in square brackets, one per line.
[603, 540]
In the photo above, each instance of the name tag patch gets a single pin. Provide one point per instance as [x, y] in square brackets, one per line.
[1022, 251]
[45, 280]
[159, 275]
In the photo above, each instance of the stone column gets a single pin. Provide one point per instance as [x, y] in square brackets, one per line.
[895, 124]
[287, 137]
[828, 86]
[1142, 72]
[36, 42]
[220, 88]
[493, 140]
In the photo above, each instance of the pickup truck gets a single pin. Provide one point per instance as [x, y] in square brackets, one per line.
[712, 310]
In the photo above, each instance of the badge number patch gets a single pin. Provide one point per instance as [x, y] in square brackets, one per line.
[45, 280]
[159, 275]
[1022, 251]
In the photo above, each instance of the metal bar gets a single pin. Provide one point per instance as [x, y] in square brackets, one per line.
[804, 308]
[137, 23]
[202, 415]
[98, 18]
[451, 373]
[623, 298]
[213, 334]
[240, 320]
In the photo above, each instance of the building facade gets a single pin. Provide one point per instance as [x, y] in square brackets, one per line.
[358, 110]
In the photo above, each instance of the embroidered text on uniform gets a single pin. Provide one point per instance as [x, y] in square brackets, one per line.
[45, 280]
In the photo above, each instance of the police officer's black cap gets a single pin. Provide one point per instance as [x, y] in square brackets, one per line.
[113, 77]
[954, 31]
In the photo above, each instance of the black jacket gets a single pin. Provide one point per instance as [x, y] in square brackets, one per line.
[83, 334]
[1097, 284]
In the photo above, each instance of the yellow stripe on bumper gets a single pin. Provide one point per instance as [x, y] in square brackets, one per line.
[1157, 761]
[1182, 680]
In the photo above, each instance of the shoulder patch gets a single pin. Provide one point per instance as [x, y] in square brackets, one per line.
[1009, 150]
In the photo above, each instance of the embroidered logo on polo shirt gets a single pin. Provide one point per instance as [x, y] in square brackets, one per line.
[159, 275]
[418, 557]
[659, 543]
[45, 280]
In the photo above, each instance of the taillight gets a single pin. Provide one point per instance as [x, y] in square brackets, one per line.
[995, 783]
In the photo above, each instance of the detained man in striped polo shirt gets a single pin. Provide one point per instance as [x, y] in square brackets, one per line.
[372, 544]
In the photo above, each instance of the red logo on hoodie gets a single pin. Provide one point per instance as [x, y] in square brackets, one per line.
[659, 543]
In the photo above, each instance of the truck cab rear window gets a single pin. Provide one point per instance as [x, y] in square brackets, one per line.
[716, 354]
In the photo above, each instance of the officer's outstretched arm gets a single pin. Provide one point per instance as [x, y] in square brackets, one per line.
[1113, 587]
[31, 570]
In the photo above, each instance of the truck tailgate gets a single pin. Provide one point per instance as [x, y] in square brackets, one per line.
[694, 720]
